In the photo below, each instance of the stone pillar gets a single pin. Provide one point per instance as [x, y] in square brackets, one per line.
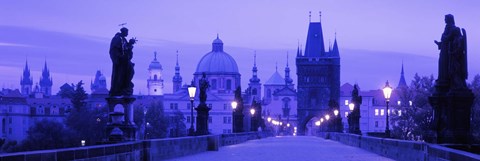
[451, 117]
[120, 126]
[202, 119]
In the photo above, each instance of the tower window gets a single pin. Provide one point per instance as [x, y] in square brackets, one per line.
[155, 77]
[254, 91]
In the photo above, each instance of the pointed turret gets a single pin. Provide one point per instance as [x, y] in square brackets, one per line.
[402, 83]
[177, 79]
[26, 81]
[46, 81]
[335, 52]
[288, 80]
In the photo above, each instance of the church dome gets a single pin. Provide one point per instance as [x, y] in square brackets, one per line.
[155, 64]
[217, 60]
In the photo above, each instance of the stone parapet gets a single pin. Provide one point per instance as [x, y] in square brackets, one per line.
[401, 149]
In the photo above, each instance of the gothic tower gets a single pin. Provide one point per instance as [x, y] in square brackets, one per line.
[26, 81]
[318, 74]
[46, 81]
[155, 81]
[254, 85]
[177, 79]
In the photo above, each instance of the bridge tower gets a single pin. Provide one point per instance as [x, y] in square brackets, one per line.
[318, 75]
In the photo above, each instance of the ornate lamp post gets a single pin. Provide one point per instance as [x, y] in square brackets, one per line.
[387, 91]
[191, 92]
[253, 125]
[234, 106]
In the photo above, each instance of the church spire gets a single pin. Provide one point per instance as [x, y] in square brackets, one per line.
[402, 83]
[254, 78]
[46, 81]
[177, 79]
[26, 81]
[288, 80]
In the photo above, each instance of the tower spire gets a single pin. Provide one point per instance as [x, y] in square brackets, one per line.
[310, 16]
[402, 82]
[288, 80]
[177, 59]
[177, 79]
[320, 14]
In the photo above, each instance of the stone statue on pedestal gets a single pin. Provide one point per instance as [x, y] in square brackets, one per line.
[452, 100]
[122, 70]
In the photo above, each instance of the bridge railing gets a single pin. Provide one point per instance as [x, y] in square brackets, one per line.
[153, 149]
[401, 149]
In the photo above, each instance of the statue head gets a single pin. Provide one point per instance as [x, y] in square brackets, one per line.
[124, 32]
[449, 20]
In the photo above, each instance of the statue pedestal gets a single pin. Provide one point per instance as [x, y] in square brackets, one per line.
[120, 126]
[202, 119]
[451, 120]
[238, 121]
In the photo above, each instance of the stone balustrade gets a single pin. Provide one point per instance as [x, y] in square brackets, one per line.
[153, 149]
[401, 149]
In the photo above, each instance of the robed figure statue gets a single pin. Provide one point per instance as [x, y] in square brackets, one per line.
[453, 55]
[203, 83]
[122, 70]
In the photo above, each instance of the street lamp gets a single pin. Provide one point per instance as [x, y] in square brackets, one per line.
[335, 112]
[327, 117]
[234, 106]
[269, 119]
[387, 91]
[351, 106]
[252, 120]
[191, 92]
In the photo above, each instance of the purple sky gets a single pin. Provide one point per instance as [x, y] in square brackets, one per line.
[407, 26]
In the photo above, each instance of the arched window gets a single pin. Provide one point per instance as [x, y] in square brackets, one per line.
[269, 93]
[254, 91]
[155, 77]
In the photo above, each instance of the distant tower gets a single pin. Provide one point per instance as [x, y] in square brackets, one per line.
[155, 81]
[318, 76]
[255, 86]
[46, 81]
[99, 85]
[402, 83]
[177, 79]
[26, 81]
[288, 80]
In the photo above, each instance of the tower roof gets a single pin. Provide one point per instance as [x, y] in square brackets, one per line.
[315, 46]
[155, 64]
[45, 79]
[217, 60]
[275, 79]
[26, 79]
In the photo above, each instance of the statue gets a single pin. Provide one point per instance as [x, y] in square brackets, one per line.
[122, 69]
[203, 84]
[453, 55]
